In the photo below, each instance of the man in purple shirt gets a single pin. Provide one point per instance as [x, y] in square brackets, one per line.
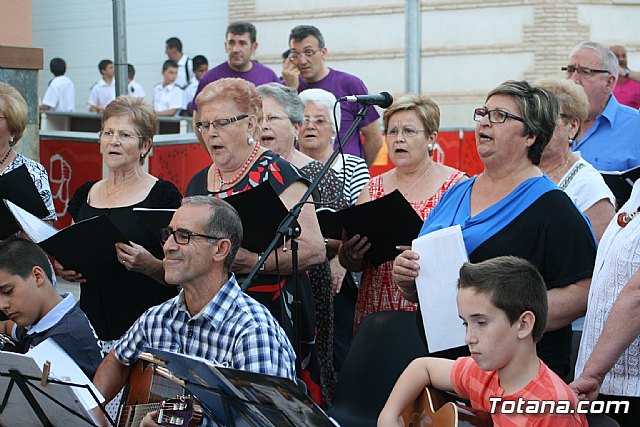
[306, 69]
[626, 91]
[240, 45]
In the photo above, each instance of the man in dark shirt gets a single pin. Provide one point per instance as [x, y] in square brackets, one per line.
[35, 309]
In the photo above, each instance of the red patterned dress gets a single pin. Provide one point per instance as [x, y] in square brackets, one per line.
[377, 290]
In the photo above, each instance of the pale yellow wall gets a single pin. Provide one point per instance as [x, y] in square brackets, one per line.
[15, 23]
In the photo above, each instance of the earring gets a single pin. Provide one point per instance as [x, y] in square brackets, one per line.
[295, 142]
[430, 147]
[333, 140]
[142, 156]
[250, 141]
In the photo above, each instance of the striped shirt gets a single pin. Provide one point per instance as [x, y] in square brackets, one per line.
[232, 330]
[355, 175]
[471, 382]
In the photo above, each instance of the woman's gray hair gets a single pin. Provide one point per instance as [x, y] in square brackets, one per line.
[539, 110]
[323, 99]
[608, 58]
[287, 98]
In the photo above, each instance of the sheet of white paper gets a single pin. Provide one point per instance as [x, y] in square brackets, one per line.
[65, 369]
[34, 227]
[18, 412]
[442, 253]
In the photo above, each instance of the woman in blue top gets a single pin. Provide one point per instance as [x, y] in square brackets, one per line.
[511, 208]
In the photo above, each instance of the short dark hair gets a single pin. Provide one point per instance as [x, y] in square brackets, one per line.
[301, 32]
[174, 42]
[539, 110]
[285, 54]
[131, 71]
[169, 63]
[102, 65]
[58, 67]
[241, 27]
[223, 221]
[514, 286]
[18, 257]
[199, 60]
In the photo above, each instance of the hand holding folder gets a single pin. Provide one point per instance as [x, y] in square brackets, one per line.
[387, 222]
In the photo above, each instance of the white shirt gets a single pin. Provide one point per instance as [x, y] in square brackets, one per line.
[102, 93]
[617, 260]
[136, 89]
[167, 97]
[189, 93]
[181, 81]
[587, 186]
[60, 95]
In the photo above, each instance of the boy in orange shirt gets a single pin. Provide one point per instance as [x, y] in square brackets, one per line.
[503, 305]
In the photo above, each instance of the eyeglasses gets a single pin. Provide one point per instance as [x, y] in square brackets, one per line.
[495, 116]
[273, 118]
[182, 236]
[121, 135]
[407, 132]
[294, 56]
[318, 122]
[583, 71]
[219, 124]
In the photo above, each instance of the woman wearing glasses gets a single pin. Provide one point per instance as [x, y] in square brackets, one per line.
[581, 181]
[512, 208]
[411, 126]
[227, 119]
[128, 125]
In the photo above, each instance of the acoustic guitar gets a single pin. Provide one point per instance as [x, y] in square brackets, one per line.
[436, 408]
[153, 388]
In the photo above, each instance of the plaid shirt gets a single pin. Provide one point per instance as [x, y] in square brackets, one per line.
[233, 330]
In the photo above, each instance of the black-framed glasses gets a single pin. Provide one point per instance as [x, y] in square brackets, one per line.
[219, 124]
[495, 116]
[294, 56]
[120, 135]
[569, 70]
[182, 236]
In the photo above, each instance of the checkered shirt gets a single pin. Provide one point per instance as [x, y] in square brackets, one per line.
[233, 330]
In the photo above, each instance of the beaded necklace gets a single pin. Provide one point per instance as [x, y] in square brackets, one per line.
[243, 169]
[6, 156]
[625, 218]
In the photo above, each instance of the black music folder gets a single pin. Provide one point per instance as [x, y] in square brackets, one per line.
[621, 183]
[87, 247]
[261, 212]
[387, 222]
[18, 187]
[329, 223]
[155, 219]
[235, 397]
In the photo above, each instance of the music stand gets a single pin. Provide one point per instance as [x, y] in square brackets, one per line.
[241, 398]
[40, 399]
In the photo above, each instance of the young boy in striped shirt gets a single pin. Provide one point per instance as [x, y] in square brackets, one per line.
[503, 304]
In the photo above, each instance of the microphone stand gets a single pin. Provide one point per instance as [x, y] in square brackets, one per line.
[289, 227]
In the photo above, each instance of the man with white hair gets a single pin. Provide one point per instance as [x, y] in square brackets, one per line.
[610, 136]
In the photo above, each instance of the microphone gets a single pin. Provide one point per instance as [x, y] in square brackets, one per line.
[382, 100]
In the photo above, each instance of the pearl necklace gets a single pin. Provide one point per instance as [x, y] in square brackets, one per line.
[406, 192]
[6, 156]
[625, 218]
[243, 169]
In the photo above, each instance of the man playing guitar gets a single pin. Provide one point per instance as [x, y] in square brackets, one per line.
[211, 317]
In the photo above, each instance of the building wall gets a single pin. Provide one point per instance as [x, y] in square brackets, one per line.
[468, 47]
[81, 32]
[15, 23]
